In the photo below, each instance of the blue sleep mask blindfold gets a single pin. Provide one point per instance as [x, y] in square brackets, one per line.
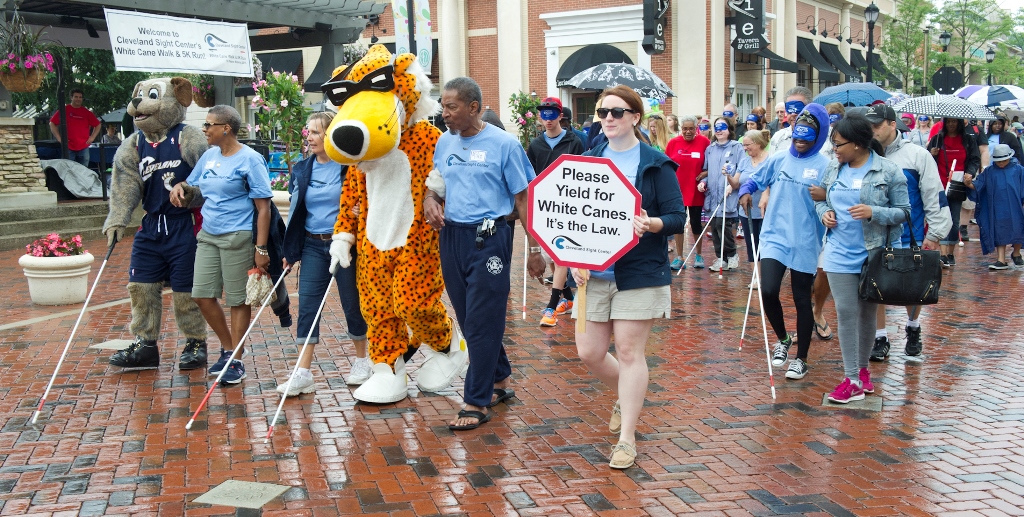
[795, 106]
[802, 132]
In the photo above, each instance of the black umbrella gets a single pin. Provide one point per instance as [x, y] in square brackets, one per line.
[602, 77]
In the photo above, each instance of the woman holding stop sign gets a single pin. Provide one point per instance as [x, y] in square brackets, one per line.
[625, 299]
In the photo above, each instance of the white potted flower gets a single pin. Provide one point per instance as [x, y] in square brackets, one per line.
[57, 270]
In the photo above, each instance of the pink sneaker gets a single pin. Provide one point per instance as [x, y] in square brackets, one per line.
[845, 392]
[865, 381]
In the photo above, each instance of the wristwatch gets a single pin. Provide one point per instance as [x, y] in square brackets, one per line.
[535, 249]
[262, 250]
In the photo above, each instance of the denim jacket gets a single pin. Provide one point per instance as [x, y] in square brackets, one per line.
[885, 190]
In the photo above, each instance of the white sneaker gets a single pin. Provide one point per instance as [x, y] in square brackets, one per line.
[361, 370]
[734, 262]
[439, 370]
[717, 266]
[302, 383]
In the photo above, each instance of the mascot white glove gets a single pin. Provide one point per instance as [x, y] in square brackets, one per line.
[341, 250]
[436, 183]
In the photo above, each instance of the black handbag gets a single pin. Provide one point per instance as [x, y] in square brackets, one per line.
[901, 276]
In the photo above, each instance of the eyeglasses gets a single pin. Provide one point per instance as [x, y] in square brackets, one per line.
[688, 130]
[837, 146]
[207, 125]
[616, 112]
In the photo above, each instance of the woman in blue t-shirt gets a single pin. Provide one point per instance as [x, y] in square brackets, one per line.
[315, 188]
[235, 182]
[866, 201]
[625, 299]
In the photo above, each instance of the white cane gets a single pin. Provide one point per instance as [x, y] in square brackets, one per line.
[234, 352]
[526, 258]
[701, 236]
[73, 331]
[725, 194]
[754, 278]
[764, 326]
[302, 353]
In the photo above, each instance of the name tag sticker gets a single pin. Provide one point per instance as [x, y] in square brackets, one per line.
[478, 156]
[210, 164]
[810, 174]
[695, 155]
[857, 183]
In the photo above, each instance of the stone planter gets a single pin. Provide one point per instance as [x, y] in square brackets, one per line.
[283, 201]
[57, 280]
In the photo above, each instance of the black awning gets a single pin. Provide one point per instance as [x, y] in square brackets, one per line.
[884, 72]
[834, 56]
[857, 60]
[805, 48]
[777, 62]
[284, 62]
[589, 56]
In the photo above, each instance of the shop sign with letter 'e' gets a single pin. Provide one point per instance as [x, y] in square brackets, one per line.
[581, 212]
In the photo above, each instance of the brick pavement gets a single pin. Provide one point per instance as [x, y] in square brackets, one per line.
[948, 438]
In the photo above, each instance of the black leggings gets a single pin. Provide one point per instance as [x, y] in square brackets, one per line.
[772, 272]
[694, 214]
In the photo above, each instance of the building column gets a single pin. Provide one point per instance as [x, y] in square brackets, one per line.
[510, 54]
[451, 43]
[785, 38]
[716, 37]
[844, 21]
[690, 69]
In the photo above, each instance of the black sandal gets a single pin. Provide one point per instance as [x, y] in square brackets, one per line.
[481, 419]
[503, 395]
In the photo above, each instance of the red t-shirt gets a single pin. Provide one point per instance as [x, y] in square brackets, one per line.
[953, 149]
[80, 124]
[690, 157]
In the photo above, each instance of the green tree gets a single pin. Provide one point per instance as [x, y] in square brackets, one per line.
[972, 24]
[1005, 69]
[91, 70]
[903, 46]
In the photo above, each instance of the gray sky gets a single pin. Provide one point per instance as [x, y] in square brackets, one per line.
[1011, 5]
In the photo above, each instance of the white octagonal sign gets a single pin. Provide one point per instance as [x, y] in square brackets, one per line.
[581, 212]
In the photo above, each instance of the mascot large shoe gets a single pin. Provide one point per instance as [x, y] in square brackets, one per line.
[440, 369]
[381, 131]
[147, 165]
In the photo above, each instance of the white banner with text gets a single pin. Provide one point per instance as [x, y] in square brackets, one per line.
[144, 42]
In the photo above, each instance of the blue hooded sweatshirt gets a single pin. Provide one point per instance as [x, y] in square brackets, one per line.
[791, 232]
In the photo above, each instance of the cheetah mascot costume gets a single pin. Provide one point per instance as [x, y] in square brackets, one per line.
[164, 247]
[381, 130]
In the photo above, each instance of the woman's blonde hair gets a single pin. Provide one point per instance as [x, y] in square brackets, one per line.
[660, 137]
[323, 117]
[759, 138]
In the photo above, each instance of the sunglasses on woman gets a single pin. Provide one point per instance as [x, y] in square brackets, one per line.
[616, 112]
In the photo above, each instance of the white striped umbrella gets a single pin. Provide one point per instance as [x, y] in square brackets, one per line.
[1004, 95]
[948, 106]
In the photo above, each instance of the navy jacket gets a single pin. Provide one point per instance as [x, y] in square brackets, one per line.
[295, 234]
[647, 265]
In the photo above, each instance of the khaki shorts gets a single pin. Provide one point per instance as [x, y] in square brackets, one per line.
[222, 264]
[605, 302]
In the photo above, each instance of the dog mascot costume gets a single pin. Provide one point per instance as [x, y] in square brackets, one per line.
[147, 165]
[381, 130]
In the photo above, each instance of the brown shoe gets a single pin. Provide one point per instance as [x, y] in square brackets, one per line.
[623, 456]
[615, 422]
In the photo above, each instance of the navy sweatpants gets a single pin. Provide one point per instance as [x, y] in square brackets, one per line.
[478, 284]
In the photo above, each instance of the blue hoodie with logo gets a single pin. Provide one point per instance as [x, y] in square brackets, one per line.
[791, 232]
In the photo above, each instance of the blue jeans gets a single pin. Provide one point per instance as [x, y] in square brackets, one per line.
[81, 156]
[314, 276]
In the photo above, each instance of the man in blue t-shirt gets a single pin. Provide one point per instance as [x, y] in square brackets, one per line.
[481, 176]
